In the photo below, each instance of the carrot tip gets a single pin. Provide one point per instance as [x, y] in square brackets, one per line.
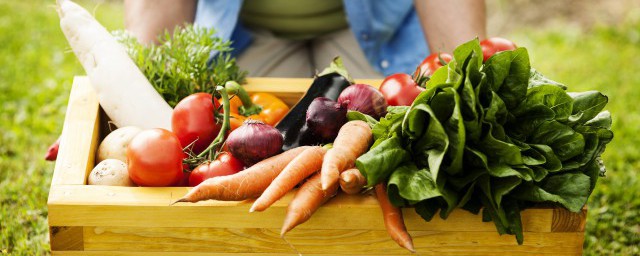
[410, 247]
[181, 200]
[252, 209]
[284, 231]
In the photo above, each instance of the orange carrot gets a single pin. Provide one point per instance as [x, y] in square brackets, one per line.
[249, 183]
[393, 220]
[352, 181]
[353, 140]
[307, 200]
[303, 165]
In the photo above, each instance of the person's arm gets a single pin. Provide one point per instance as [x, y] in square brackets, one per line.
[146, 19]
[447, 24]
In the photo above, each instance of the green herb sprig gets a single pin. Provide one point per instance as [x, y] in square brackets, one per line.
[177, 66]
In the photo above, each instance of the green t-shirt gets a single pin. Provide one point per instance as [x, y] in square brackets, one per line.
[297, 20]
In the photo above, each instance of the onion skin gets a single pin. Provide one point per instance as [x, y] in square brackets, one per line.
[364, 99]
[324, 119]
[254, 141]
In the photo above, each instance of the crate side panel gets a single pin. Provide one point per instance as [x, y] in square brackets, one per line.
[290, 90]
[79, 135]
[150, 207]
[323, 241]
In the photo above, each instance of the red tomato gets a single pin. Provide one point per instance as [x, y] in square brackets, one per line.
[225, 164]
[155, 158]
[193, 120]
[432, 63]
[493, 45]
[400, 90]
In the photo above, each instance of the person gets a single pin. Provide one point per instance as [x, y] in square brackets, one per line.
[284, 38]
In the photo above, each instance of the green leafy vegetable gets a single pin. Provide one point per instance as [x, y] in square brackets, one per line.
[180, 64]
[497, 136]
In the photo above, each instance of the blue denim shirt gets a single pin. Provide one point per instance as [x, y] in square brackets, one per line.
[388, 31]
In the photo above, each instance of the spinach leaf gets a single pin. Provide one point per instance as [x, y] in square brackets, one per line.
[550, 96]
[427, 208]
[356, 115]
[446, 108]
[537, 79]
[377, 164]
[568, 189]
[514, 88]
[430, 143]
[413, 183]
[566, 142]
[586, 105]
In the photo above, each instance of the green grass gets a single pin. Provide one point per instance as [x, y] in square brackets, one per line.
[604, 59]
[37, 69]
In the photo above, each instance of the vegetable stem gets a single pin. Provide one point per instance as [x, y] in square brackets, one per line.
[223, 130]
[248, 108]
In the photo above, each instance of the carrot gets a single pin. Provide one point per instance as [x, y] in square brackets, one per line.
[307, 200]
[393, 220]
[352, 181]
[353, 140]
[249, 183]
[303, 165]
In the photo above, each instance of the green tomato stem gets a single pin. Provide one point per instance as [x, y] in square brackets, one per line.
[248, 107]
[223, 130]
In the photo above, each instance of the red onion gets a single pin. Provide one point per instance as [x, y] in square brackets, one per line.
[254, 141]
[324, 119]
[365, 99]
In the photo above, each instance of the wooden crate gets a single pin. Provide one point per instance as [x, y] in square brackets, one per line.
[102, 220]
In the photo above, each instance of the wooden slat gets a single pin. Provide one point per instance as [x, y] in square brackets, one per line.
[79, 136]
[321, 241]
[149, 207]
[124, 253]
[290, 90]
[66, 238]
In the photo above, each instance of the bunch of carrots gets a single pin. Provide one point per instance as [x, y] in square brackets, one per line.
[270, 179]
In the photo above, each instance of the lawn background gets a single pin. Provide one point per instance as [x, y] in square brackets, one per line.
[586, 45]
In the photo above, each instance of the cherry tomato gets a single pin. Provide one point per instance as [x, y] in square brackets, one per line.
[193, 120]
[493, 45]
[432, 63]
[225, 164]
[155, 158]
[400, 90]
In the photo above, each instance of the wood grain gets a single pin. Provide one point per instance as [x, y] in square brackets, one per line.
[149, 207]
[79, 136]
[321, 241]
[290, 90]
[66, 238]
[567, 221]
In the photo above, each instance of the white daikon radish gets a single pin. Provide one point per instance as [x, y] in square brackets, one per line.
[124, 92]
